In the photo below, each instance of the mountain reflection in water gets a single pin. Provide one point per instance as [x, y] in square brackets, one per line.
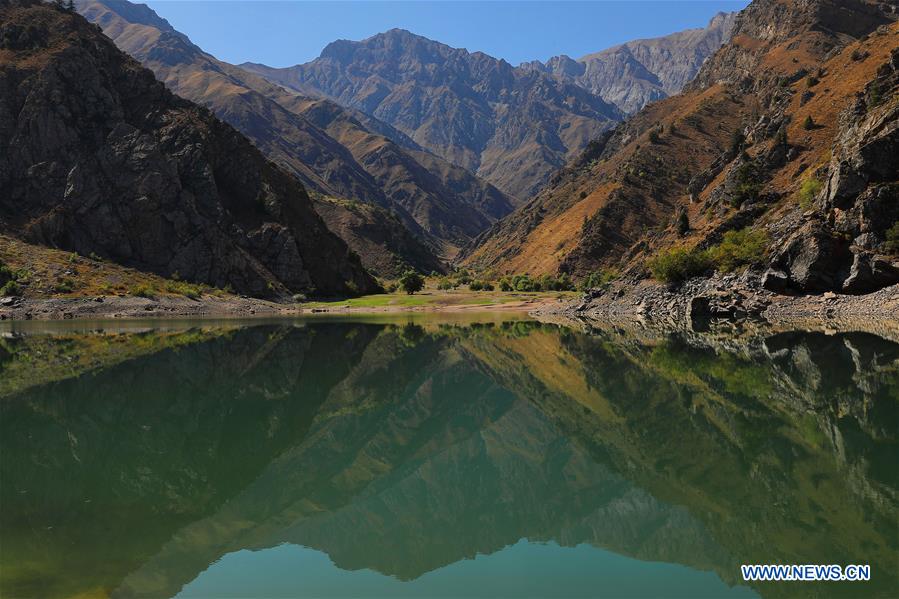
[132, 461]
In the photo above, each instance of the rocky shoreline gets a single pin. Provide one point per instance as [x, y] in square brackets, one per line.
[735, 300]
[103, 307]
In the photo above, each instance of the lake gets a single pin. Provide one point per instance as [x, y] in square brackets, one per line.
[434, 456]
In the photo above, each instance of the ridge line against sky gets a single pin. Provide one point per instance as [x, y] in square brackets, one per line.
[283, 33]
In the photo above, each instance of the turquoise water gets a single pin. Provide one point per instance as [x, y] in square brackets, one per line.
[436, 457]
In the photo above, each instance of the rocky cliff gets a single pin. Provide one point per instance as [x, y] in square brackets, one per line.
[97, 157]
[509, 125]
[788, 131]
[636, 73]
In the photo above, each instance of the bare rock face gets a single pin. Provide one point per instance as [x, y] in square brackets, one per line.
[97, 157]
[511, 126]
[639, 72]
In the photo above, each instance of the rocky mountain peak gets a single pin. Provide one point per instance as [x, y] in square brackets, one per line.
[509, 125]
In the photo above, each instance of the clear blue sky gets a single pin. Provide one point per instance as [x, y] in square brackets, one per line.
[290, 32]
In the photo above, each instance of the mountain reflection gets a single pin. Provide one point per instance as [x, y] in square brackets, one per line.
[131, 461]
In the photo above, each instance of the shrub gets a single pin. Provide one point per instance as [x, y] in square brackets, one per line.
[65, 285]
[392, 287]
[582, 195]
[747, 186]
[598, 279]
[10, 288]
[654, 136]
[809, 123]
[411, 282]
[808, 190]
[476, 285]
[739, 248]
[812, 81]
[678, 264]
[182, 288]
[445, 284]
[892, 237]
[141, 291]
[505, 284]
[6, 274]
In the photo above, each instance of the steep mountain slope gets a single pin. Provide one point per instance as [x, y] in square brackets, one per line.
[511, 126]
[371, 162]
[97, 157]
[386, 246]
[636, 73]
[805, 91]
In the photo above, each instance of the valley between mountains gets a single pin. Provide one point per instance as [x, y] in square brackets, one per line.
[756, 153]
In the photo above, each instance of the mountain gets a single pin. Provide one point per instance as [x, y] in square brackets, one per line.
[790, 130]
[387, 247]
[636, 73]
[371, 162]
[511, 126]
[99, 158]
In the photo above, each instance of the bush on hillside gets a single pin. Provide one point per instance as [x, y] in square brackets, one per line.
[678, 264]
[739, 248]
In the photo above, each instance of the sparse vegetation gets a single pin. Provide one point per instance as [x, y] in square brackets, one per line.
[141, 291]
[189, 290]
[747, 185]
[9, 285]
[892, 238]
[807, 192]
[411, 282]
[65, 285]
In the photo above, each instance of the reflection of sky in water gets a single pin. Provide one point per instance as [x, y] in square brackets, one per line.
[521, 570]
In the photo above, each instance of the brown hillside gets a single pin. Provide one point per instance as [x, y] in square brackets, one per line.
[619, 203]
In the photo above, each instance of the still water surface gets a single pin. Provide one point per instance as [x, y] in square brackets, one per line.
[441, 458]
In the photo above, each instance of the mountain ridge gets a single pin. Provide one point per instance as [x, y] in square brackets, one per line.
[511, 126]
[372, 163]
[640, 71]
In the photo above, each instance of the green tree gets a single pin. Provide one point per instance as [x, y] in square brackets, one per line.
[411, 282]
